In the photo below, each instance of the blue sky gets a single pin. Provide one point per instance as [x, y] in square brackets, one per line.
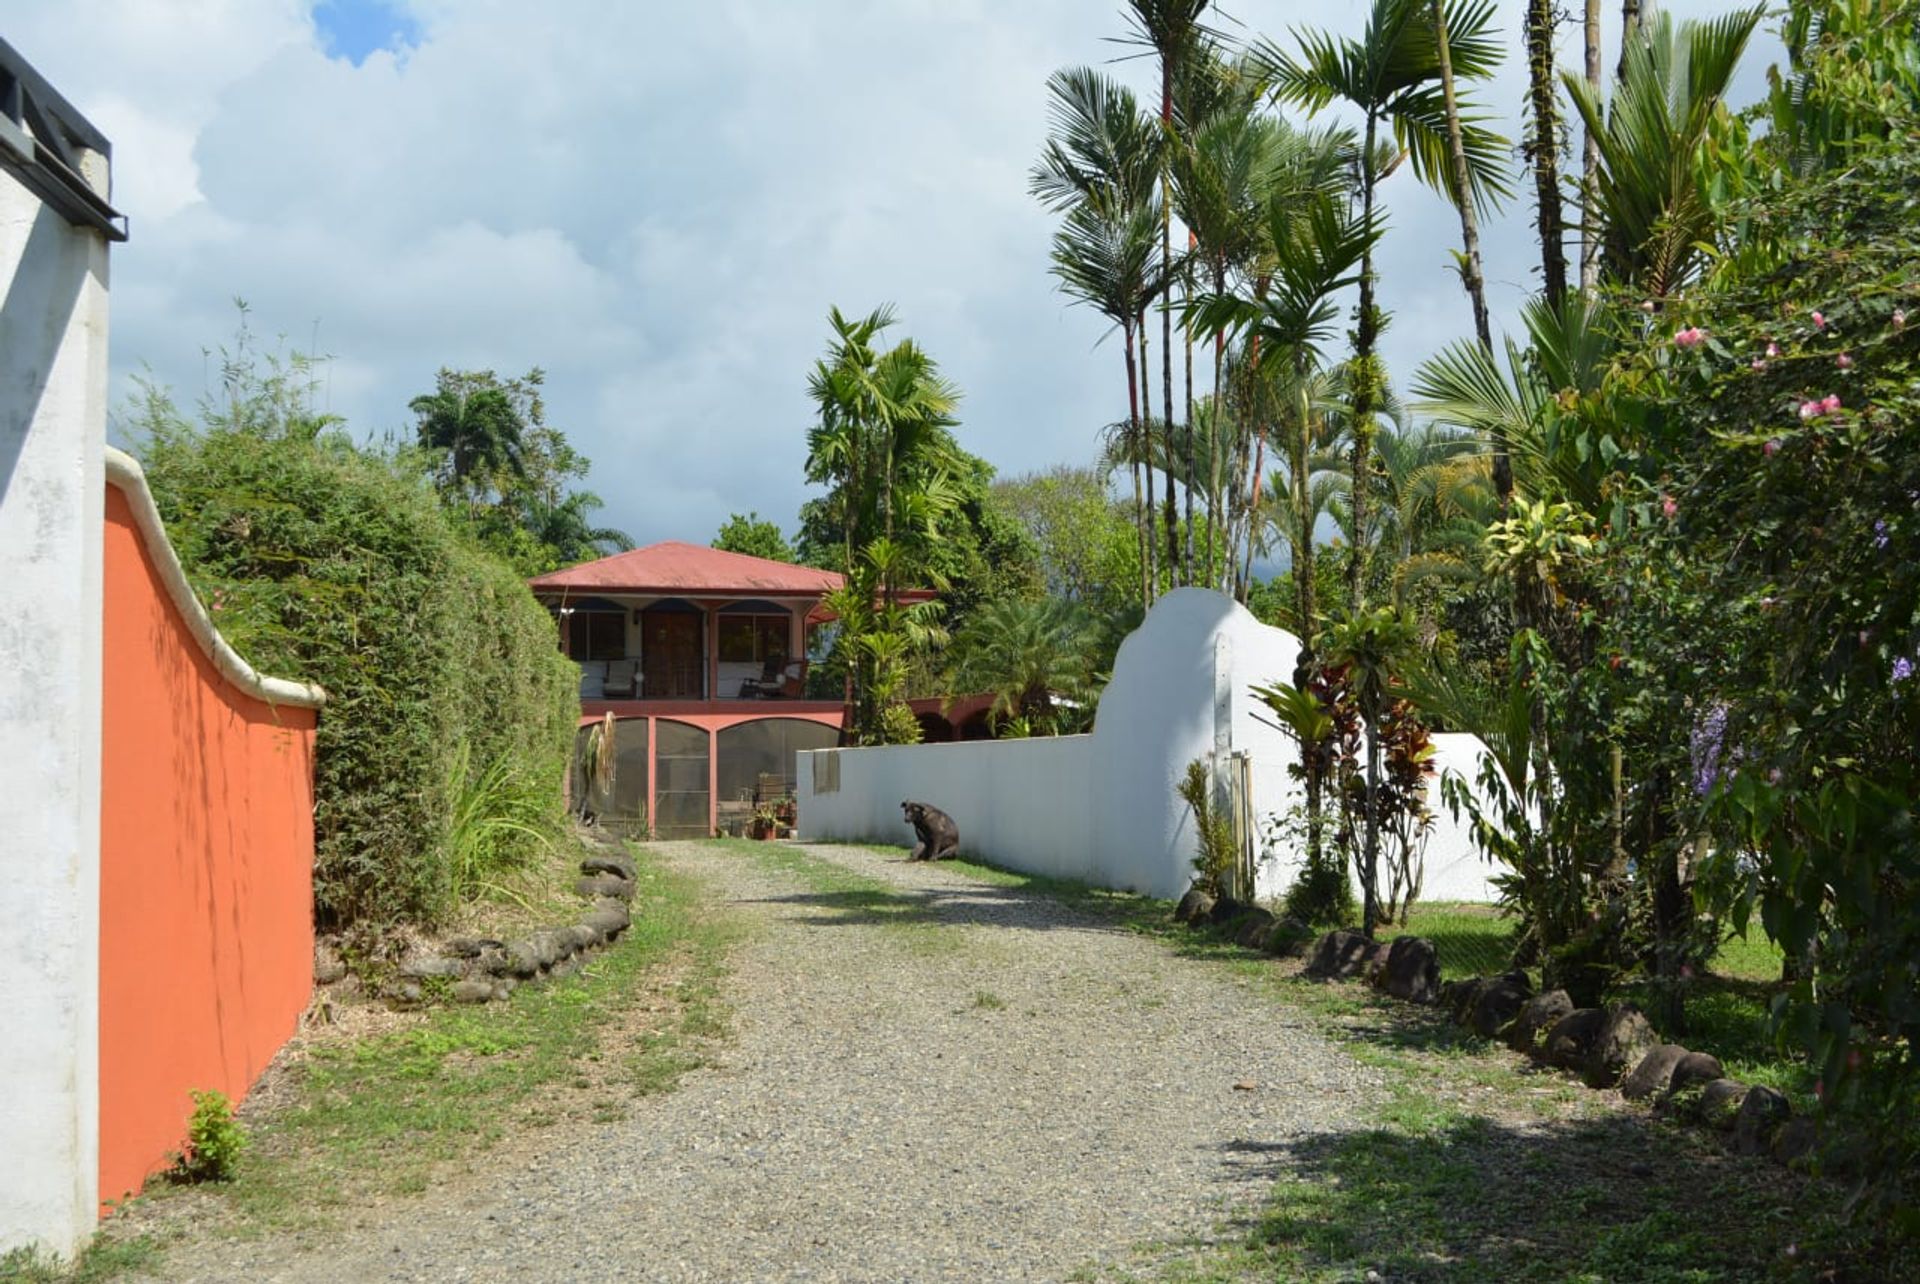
[352, 29]
[655, 203]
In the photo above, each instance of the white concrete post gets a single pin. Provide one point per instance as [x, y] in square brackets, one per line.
[53, 406]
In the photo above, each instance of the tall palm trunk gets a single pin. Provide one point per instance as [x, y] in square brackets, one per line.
[1365, 331]
[1590, 163]
[1216, 525]
[1470, 271]
[1629, 23]
[1305, 665]
[1166, 315]
[1543, 148]
[1370, 852]
[1186, 560]
[1144, 444]
[1133, 463]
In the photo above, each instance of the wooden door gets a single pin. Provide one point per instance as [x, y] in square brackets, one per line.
[673, 661]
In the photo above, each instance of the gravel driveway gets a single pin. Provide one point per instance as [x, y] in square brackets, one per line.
[1009, 1090]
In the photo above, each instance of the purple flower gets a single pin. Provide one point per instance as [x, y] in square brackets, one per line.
[1708, 740]
[1880, 534]
[1902, 669]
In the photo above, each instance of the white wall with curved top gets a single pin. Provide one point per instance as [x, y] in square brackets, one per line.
[1101, 808]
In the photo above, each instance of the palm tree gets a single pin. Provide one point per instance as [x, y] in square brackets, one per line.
[478, 430]
[567, 528]
[1470, 272]
[1172, 30]
[1543, 149]
[881, 441]
[1651, 195]
[1099, 165]
[1590, 160]
[1392, 73]
[1315, 246]
[1033, 657]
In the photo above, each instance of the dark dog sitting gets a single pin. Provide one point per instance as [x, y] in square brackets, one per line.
[939, 836]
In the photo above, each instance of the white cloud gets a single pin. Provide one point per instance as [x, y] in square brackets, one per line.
[656, 203]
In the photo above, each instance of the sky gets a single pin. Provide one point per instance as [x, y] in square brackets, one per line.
[657, 204]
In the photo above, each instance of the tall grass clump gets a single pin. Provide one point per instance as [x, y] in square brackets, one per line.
[442, 749]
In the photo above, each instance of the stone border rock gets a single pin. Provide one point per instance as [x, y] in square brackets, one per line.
[467, 969]
[1612, 1047]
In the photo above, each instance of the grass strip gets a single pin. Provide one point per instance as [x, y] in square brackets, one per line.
[393, 1113]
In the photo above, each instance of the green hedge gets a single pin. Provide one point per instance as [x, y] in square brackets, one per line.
[330, 564]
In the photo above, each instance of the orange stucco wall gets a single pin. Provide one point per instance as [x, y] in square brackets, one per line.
[206, 871]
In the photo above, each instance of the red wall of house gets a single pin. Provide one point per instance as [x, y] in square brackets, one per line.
[206, 871]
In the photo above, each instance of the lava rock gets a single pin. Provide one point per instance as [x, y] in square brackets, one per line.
[427, 967]
[610, 862]
[610, 919]
[1762, 1114]
[1796, 1141]
[1413, 970]
[1624, 1038]
[473, 991]
[1251, 931]
[1457, 997]
[1193, 907]
[1654, 1072]
[1339, 955]
[1498, 1002]
[328, 966]
[1570, 1038]
[1536, 1017]
[1695, 1068]
[1225, 910]
[1289, 938]
[1720, 1102]
[593, 885]
[523, 959]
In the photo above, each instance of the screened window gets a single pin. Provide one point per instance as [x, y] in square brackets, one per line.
[752, 639]
[597, 635]
[757, 759]
[680, 780]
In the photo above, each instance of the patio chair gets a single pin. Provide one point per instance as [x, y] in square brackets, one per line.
[768, 683]
[623, 679]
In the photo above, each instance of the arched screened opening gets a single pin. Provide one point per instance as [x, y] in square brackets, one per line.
[620, 802]
[680, 780]
[757, 759]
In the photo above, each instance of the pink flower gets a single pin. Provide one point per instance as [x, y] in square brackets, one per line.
[1771, 447]
[1899, 318]
[1829, 403]
[1819, 321]
[1808, 409]
[1844, 361]
[1668, 508]
[1646, 305]
[1773, 349]
[1758, 363]
[1690, 337]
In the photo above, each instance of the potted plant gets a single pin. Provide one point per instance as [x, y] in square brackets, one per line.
[786, 812]
[765, 823]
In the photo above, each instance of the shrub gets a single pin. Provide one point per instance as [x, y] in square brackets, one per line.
[1213, 866]
[215, 1141]
[336, 565]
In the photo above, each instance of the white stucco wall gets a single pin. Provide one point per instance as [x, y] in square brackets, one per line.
[1101, 808]
[53, 389]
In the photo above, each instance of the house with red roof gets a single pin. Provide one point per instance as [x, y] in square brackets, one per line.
[701, 657]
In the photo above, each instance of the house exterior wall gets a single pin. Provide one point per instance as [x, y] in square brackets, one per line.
[1101, 807]
[206, 865]
[53, 405]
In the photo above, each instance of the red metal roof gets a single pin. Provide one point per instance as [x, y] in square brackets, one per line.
[673, 568]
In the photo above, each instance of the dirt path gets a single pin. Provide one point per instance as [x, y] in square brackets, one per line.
[931, 1079]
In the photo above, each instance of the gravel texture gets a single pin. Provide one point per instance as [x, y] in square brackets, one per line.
[1010, 1091]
